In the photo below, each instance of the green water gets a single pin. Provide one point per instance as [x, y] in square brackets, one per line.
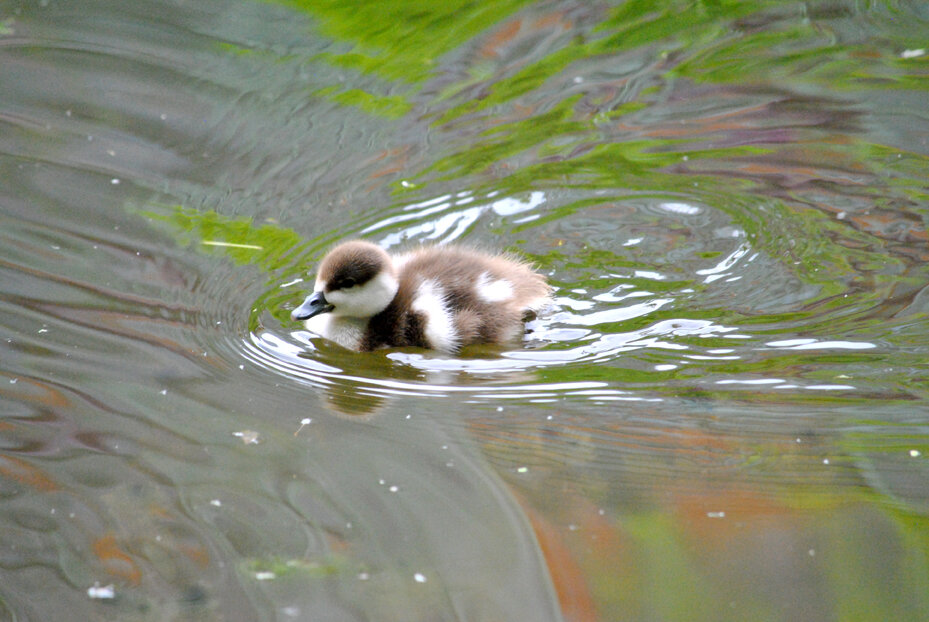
[722, 417]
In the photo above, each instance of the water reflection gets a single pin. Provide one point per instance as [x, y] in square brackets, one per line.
[439, 227]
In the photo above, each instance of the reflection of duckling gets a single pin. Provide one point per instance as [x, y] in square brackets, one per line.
[438, 297]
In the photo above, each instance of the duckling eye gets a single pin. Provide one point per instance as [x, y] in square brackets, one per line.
[348, 283]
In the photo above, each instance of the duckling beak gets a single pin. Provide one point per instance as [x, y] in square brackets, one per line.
[314, 304]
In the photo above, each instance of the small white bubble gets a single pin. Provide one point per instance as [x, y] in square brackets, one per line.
[914, 453]
[716, 515]
[216, 502]
[164, 391]
[115, 181]
[812, 552]
[825, 460]
[394, 488]
[163, 117]
[249, 437]
[522, 470]
[265, 576]
[419, 577]
[101, 592]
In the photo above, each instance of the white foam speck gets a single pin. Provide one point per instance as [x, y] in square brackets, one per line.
[101, 592]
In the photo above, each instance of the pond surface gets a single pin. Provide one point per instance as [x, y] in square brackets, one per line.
[724, 416]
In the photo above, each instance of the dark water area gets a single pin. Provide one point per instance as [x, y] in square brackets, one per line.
[724, 415]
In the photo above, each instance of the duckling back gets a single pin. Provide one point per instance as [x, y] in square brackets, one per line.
[450, 297]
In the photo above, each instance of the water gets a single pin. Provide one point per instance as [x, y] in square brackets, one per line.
[724, 415]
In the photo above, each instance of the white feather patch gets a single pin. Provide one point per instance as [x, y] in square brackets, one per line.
[440, 329]
[364, 301]
[493, 291]
[346, 332]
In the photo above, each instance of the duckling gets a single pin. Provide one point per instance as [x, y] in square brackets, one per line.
[442, 298]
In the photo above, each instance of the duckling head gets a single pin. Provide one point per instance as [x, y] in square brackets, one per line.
[355, 279]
